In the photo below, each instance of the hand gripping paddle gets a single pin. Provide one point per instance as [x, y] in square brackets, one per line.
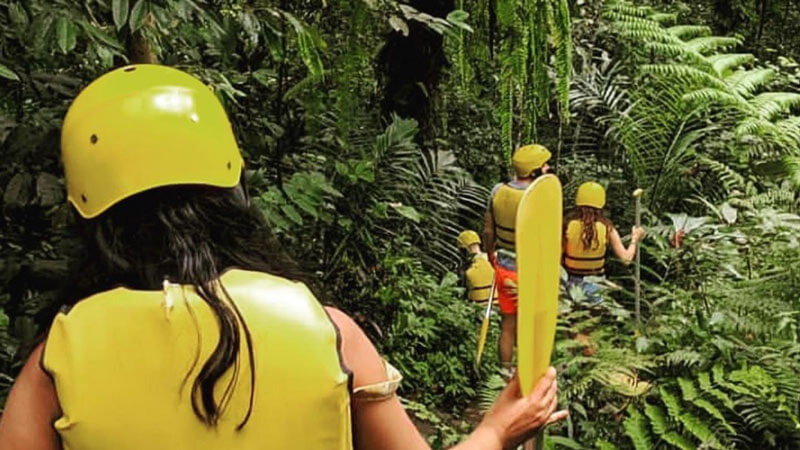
[538, 240]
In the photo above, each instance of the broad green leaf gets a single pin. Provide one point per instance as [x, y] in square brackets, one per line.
[18, 16]
[138, 13]
[399, 24]
[407, 211]
[119, 9]
[5, 72]
[292, 213]
[100, 35]
[65, 33]
[459, 18]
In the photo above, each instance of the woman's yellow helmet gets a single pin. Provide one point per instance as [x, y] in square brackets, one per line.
[141, 127]
[591, 194]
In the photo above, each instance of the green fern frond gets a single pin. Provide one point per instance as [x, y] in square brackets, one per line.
[636, 428]
[711, 409]
[679, 441]
[770, 105]
[712, 43]
[688, 391]
[680, 53]
[725, 62]
[664, 18]
[746, 82]
[719, 379]
[627, 9]
[682, 358]
[792, 167]
[704, 379]
[689, 31]
[719, 97]
[756, 126]
[658, 421]
[684, 72]
[605, 445]
[699, 429]
[671, 402]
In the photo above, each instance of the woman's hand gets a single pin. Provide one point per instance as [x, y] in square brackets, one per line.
[637, 233]
[514, 419]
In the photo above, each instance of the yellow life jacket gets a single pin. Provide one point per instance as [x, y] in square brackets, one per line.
[119, 359]
[504, 212]
[578, 259]
[480, 275]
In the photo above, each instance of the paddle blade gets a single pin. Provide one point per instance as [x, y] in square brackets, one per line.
[538, 238]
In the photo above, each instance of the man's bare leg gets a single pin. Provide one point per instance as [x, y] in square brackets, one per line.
[508, 337]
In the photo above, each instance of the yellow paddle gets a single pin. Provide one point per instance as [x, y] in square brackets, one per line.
[538, 248]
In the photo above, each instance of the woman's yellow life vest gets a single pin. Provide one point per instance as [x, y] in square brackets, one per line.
[480, 275]
[505, 203]
[119, 361]
[578, 259]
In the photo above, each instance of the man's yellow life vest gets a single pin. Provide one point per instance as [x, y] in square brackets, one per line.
[580, 260]
[504, 212]
[480, 275]
[119, 361]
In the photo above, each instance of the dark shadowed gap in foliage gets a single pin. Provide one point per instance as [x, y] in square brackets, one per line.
[411, 67]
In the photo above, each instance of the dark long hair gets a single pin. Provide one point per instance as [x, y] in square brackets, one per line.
[187, 235]
[588, 216]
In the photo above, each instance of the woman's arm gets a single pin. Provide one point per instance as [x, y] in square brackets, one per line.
[625, 254]
[385, 424]
[32, 406]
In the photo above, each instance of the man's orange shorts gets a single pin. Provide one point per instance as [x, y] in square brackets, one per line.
[506, 289]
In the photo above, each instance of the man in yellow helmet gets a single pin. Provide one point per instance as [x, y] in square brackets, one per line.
[587, 234]
[478, 272]
[529, 162]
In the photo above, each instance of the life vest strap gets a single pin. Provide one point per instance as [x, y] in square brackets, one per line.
[589, 258]
[505, 241]
[584, 272]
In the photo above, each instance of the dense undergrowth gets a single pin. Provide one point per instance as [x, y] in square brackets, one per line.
[369, 198]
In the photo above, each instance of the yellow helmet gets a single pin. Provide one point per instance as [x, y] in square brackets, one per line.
[467, 238]
[591, 194]
[529, 158]
[140, 127]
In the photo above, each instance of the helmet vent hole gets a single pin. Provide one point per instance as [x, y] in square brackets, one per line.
[129, 69]
[83, 197]
[229, 165]
[93, 139]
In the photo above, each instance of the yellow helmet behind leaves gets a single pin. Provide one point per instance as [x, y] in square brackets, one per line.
[591, 194]
[467, 238]
[529, 158]
[141, 127]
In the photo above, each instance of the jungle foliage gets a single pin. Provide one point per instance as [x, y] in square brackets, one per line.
[373, 131]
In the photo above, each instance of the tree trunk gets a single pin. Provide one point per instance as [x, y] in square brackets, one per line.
[412, 66]
[761, 19]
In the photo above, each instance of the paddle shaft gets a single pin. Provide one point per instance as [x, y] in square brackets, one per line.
[638, 210]
[485, 323]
